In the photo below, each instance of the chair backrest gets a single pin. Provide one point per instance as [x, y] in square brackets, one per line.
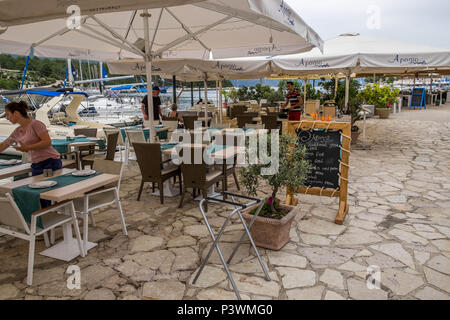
[109, 166]
[111, 145]
[254, 126]
[148, 156]
[242, 119]
[171, 124]
[236, 110]
[11, 216]
[270, 122]
[253, 114]
[135, 136]
[120, 141]
[189, 122]
[194, 175]
[88, 132]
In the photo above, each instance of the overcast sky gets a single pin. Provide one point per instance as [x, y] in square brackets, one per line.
[424, 22]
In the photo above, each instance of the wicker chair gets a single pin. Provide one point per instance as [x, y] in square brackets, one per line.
[149, 158]
[196, 176]
[111, 145]
[242, 119]
[189, 122]
[270, 122]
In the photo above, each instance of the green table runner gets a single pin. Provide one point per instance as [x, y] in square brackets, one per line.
[161, 135]
[61, 145]
[28, 199]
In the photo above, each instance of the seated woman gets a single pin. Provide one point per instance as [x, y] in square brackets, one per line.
[31, 136]
[174, 113]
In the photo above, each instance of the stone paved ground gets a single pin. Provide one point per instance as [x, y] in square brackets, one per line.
[399, 220]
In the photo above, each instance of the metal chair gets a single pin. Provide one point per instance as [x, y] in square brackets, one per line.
[238, 207]
[149, 158]
[133, 136]
[106, 196]
[242, 119]
[13, 223]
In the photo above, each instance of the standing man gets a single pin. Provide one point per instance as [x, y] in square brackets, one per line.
[293, 97]
[156, 105]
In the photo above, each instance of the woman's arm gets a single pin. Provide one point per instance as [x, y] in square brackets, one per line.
[44, 143]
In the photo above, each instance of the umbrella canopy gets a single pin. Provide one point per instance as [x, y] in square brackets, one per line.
[103, 30]
[196, 70]
[365, 55]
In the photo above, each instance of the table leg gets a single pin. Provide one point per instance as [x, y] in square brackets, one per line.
[169, 190]
[67, 249]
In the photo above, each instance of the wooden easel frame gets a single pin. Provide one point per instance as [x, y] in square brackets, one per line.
[342, 193]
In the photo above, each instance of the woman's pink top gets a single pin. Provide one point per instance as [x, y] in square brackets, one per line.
[29, 136]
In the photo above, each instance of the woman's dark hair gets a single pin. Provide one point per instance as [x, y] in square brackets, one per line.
[21, 107]
[174, 107]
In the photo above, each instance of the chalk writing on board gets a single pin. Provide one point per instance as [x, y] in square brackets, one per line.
[323, 150]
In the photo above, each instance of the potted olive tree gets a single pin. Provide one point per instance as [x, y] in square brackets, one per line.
[271, 228]
[382, 97]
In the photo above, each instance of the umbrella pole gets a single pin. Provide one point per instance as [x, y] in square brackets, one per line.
[148, 72]
[192, 94]
[220, 100]
[347, 90]
[205, 84]
[336, 83]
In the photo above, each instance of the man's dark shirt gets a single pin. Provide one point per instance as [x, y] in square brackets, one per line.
[156, 105]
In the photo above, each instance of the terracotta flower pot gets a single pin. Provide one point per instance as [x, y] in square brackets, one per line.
[384, 112]
[271, 233]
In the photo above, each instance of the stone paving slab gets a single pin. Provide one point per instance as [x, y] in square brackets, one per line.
[398, 222]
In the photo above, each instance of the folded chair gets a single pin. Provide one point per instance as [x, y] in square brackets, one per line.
[106, 196]
[149, 158]
[13, 223]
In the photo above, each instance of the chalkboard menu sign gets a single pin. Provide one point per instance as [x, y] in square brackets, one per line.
[418, 98]
[323, 150]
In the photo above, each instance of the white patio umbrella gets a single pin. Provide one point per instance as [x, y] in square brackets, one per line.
[197, 70]
[103, 30]
[353, 53]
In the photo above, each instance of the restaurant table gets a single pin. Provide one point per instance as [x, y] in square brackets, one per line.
[71, 187]
[22, 168]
